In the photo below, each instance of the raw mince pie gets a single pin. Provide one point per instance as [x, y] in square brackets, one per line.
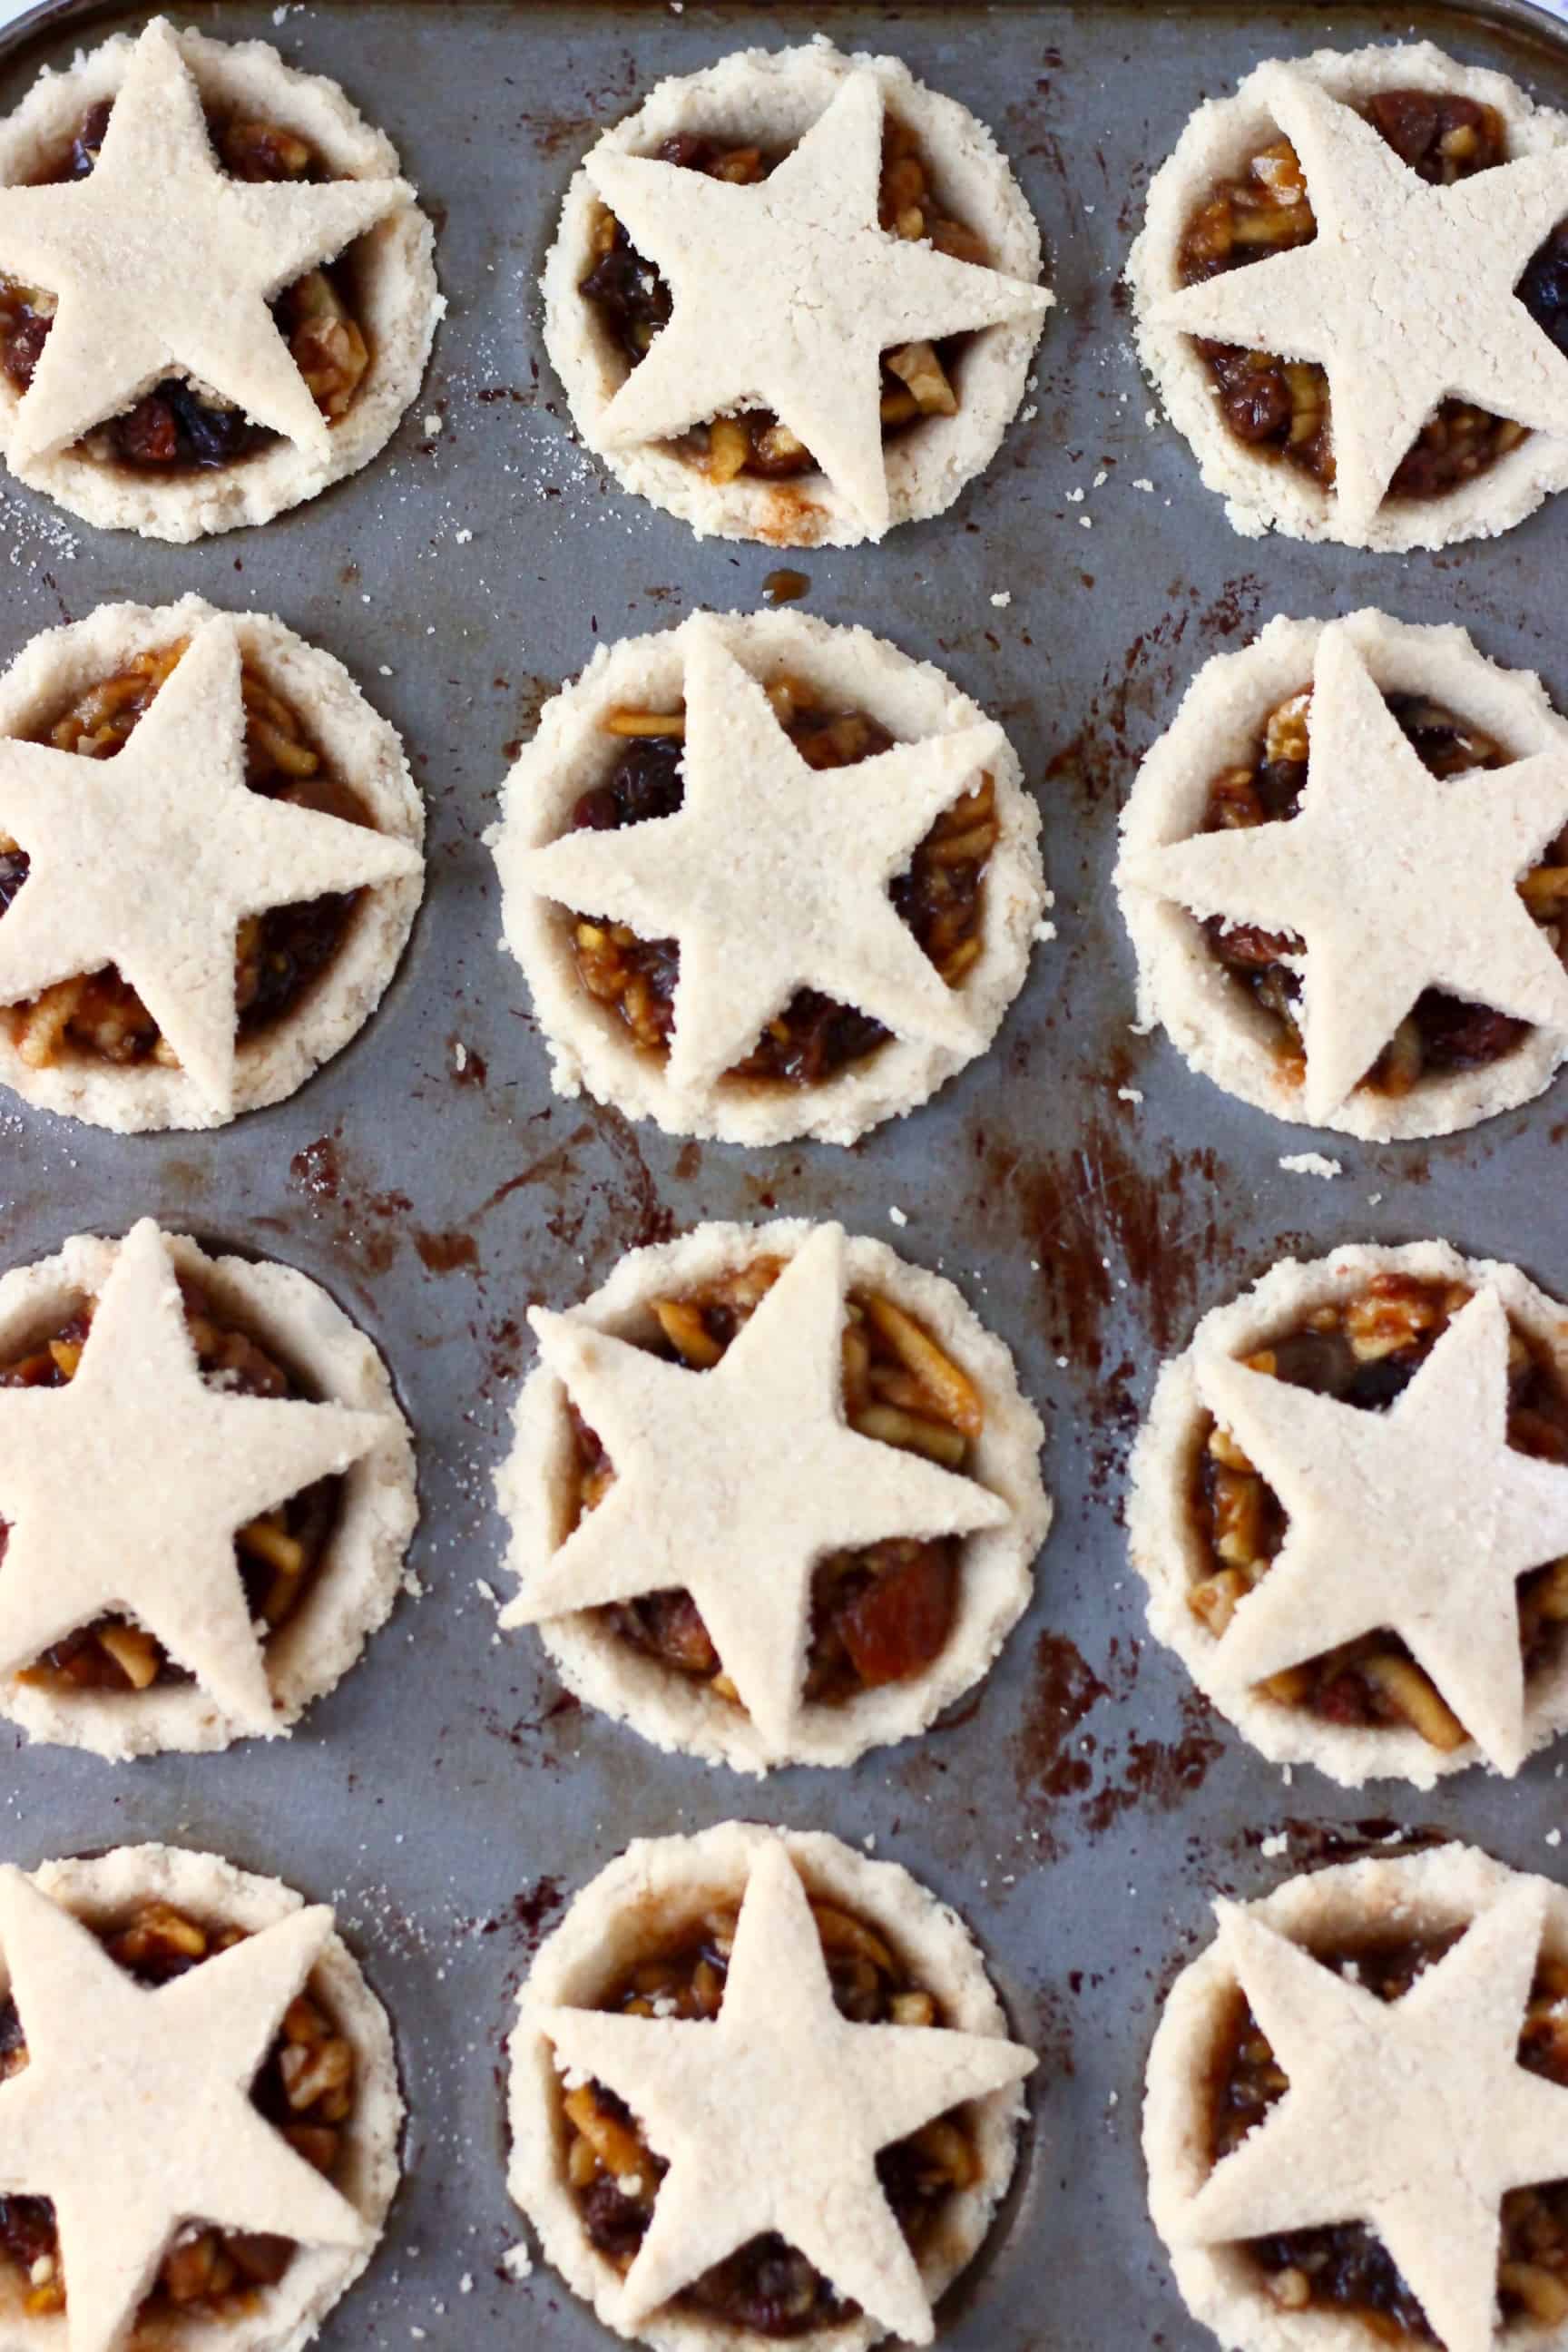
[320, 1568]
[942, 398]
[612, 756]
[1385, 1975]
[326, 2086]
[652, 1942]
[306, 973]
[245, 422]
[897, 1627]
[1206, 1528]
[1236, 194]
[1233, 767]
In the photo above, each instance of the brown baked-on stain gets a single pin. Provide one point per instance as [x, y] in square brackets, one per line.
[366, 1224]
[530, 1914]
[1056, 1762]
[1314, 1845]
[452, 1252]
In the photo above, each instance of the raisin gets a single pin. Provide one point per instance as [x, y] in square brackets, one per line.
[88, 139]
[211, 436]
[616, 2224]
[897, 1621]
[1459, 1036]
[671, 1624]
[1408, 121]
[14, 869]
[1543, 288]
[25, 349]
[149, 435]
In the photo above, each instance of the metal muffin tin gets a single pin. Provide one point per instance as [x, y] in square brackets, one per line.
[1084, 1808]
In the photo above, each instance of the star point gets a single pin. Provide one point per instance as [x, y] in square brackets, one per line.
[732, 1484]
[125, 1489]
[1418, 1521]
[123, 248]
[811, 290]
[823, 2096]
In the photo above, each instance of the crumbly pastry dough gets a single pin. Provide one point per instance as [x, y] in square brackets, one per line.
[537, 1490]
[101, 1892]
[358, 1579]
[935, 1034]
[656, 1887]
[1444, 319]
[194, 220]
[1166, 1551]
[1456, 2084]
[1463, 900]
[359, 746]
[821, 372]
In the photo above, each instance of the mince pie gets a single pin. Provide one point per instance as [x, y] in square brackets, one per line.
[761, 2091]
[209, 864]
[774, 1495]
[1351, 292]
[767, 878]
[1344, 868]
[1350, 1503]
[186, 2027]
[206, 1491]
[793, 298]
[1356, 2120]
[217, 295]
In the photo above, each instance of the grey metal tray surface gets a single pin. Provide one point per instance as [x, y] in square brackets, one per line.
[1083, 1809]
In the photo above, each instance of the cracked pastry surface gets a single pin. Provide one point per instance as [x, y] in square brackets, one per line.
[856, 820]
[768, 1629]
[793, 297]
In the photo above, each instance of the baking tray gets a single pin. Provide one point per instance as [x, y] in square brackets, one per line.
[1084, 1807]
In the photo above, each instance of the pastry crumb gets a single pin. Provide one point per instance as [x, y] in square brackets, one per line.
[1141, 482]
[898, 1216]
[432, 427]
[1311, 1163]
[1044, 931]
[1002, 598]
[517, 2262]
[1273, 1847]
[1130, 1093]
[1553, 1837]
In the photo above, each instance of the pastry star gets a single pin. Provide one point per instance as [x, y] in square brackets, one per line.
[818, 2096]
[124, 1490]
[133, 2115]
[149, 861]
[1420, 1520]
[1406, 295]
[161, 264]
[786, 293]
[1411, 2116]
[773, 875]
[733, 1483]
[1395, 880]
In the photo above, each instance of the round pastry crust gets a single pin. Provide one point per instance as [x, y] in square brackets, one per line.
[536, 1489]
[1263, 492]
[1446, 1887]
[591, 1048]
[772, 98]
[358, 1580]
[1213, 1023]
[101, 1891]
[1165, 1545]
[397, 300]
[659, 1885]
[362, 748]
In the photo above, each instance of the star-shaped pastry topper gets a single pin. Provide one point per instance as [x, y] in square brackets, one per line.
[1406, 295]
[164, 266]
[125, 1489]
[1419, 1520]
[732, 1484]
[132, 2115]
[1393, 879]
[787, 291]
[1413, 2117]
[820, 2096]
[150, 860]
[773, 875]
